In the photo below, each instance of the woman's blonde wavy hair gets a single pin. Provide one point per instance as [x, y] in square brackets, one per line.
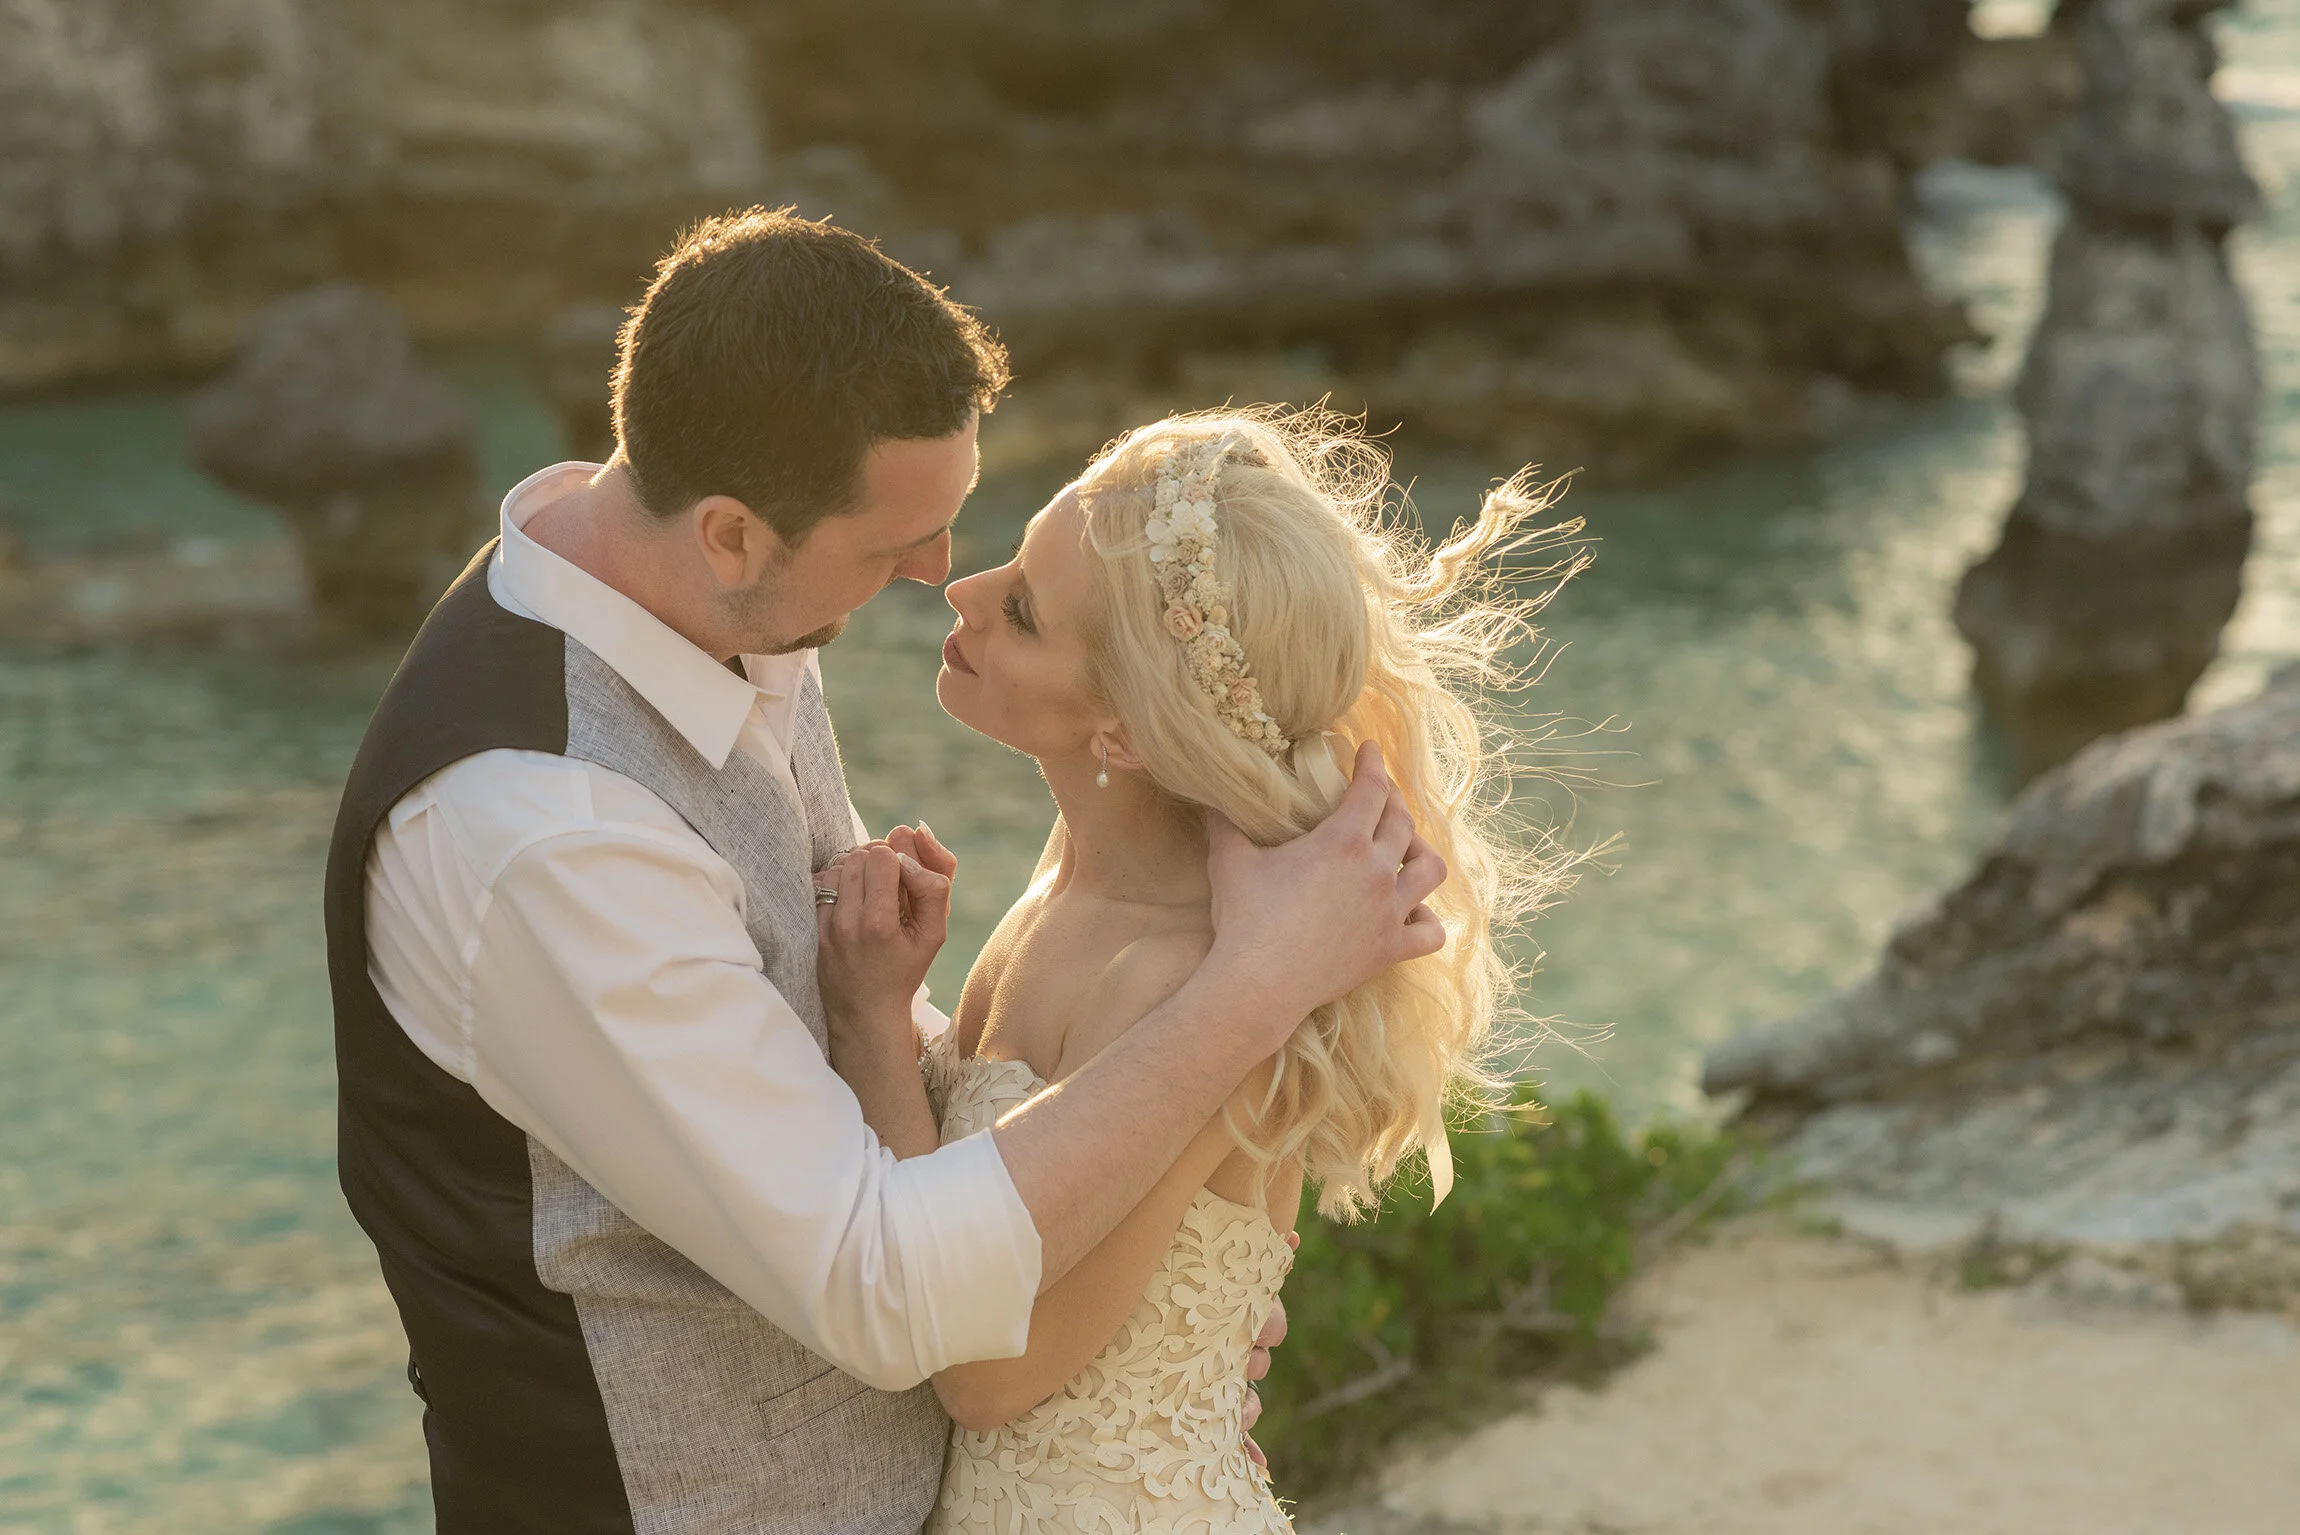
[1351, 623]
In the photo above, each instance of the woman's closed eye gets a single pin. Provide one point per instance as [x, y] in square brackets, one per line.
[1015, 616]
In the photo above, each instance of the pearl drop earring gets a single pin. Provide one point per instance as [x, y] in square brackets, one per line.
[1102, 779]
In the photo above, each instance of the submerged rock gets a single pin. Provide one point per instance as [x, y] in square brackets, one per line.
[329, 416]
[2104, 600]
[2096, 1037]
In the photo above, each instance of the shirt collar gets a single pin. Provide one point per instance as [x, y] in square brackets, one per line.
[702, 699]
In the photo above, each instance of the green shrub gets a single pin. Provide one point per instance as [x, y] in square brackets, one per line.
[1421, 1315]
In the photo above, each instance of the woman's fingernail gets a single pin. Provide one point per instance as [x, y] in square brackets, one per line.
[911, 863]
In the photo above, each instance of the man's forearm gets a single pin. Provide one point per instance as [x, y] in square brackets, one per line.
[1088, 1150]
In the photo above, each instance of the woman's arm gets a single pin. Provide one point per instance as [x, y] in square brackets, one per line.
[875, 943]
[1075, 1318]
[886, 1082]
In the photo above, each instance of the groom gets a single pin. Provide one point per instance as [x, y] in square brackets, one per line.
[656, 1274]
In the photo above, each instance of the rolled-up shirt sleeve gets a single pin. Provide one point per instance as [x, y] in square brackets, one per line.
[618, 1012]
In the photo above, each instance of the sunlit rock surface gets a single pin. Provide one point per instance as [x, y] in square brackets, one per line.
[1617, 234]
[2104, 600]
[2096, 1037]
[168, 166]
[1614, 235]
[329, 416]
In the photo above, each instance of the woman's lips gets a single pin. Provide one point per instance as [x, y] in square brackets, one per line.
[953, 657]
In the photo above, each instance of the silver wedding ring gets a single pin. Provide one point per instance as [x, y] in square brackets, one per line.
[825, 896]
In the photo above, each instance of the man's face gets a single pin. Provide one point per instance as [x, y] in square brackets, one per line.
[899, 530]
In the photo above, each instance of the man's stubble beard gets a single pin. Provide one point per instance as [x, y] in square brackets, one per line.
[814, 640]
[752, 614]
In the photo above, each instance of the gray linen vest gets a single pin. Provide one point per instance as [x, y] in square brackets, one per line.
[721, 1421]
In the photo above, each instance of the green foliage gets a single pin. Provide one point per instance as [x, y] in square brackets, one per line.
[1421, 1315]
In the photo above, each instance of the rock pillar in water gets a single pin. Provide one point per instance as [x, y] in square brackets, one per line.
[2118, 566]
[329, 417]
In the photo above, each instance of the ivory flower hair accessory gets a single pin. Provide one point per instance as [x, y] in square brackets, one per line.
[1183, 535]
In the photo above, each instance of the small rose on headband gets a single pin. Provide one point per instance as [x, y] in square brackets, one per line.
[1181, 535]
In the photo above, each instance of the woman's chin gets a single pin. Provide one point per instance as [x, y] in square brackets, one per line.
[947, 684]
[950, 692]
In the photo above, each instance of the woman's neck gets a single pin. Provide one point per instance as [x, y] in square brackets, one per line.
[1128, 842]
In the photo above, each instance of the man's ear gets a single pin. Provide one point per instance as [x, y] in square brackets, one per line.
[736, 543]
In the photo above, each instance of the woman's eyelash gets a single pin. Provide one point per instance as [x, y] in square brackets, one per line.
[1014, 615]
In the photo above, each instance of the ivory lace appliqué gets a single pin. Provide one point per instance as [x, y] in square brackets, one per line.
[1145, 1440]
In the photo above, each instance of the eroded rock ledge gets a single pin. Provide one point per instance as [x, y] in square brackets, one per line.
[1615, 234]
[2096, 1037]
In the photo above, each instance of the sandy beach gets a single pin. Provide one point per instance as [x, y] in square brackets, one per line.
[1807, 1385]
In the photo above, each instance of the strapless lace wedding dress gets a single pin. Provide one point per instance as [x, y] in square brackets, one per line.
[1144, 1440]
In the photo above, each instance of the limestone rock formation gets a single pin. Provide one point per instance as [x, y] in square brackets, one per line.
[1612, 234]
[329, 416]
[2120, 563]
[169, 166]
[2096, 1037]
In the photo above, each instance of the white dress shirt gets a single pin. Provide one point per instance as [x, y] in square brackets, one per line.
[555, 935]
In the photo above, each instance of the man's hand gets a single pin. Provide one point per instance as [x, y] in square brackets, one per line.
[1315, 918]
[1272, 1334]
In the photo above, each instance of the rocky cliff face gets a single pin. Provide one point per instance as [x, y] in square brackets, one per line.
[167, 166]
[2119, 565]
[1610, 234]
[2096, 1037]
[1613, 233]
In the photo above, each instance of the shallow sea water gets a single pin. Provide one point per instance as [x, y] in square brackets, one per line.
[192, 1335]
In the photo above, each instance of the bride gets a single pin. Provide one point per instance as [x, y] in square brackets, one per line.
[1216, 616]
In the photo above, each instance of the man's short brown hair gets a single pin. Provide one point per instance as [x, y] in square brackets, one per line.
[772, 352]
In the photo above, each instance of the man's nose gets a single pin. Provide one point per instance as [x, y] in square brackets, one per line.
[930, 565]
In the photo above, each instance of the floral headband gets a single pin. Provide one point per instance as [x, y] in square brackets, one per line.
[1182, 534]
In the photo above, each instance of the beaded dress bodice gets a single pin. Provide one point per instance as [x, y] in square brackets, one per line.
[1146, 1439]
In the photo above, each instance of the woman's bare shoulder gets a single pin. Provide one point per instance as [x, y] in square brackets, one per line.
[1139, 979]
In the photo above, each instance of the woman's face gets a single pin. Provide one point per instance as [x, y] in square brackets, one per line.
[1014, 668]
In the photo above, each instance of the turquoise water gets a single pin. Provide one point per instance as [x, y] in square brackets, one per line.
[192, 1337]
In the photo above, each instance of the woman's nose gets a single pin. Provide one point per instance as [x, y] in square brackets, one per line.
[960, 595]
